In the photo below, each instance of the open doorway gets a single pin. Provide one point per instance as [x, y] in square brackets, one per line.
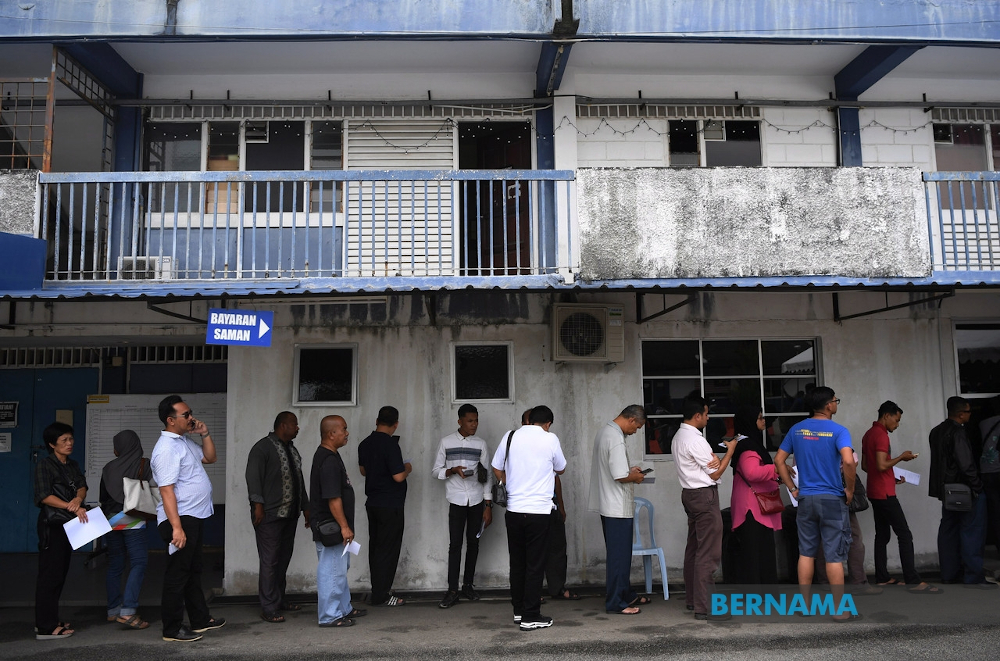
[495, 225]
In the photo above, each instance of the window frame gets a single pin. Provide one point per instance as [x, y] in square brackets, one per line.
[297, 356]
[666, 455]
[702, 125]
[954, 345]
[453, 346]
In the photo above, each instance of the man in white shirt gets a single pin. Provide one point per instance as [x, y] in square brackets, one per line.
[529, 471]
[186, 494]
[457, 462]
[698, 471]
[612, 495]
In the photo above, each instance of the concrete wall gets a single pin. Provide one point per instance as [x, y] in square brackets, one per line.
[751, 222]
[17, 201]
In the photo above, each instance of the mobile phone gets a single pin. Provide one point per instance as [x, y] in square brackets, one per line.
[646, 471]
[469, 472]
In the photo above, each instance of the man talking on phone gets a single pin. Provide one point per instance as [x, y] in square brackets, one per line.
[612, 495]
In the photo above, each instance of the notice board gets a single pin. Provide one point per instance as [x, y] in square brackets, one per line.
[115, 413]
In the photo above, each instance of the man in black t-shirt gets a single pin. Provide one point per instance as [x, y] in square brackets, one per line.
[381, 463]
[331, 498]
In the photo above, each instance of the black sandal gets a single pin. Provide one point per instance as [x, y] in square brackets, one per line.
[273, 618]
[342, 622]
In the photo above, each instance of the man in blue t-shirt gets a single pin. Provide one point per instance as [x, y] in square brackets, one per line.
[822, 448]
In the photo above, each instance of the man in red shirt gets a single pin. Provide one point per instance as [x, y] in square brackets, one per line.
[877, 461]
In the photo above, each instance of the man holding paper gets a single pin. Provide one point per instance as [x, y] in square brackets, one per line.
[878, 462]
[186, 494]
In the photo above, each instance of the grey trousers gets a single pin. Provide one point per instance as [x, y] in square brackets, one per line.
[704, 545]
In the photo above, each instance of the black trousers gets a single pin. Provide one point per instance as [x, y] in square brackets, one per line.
[385, 539]
[275, 543]
[54, 554]
[991, 488]
[182, 580]
[758, 563]
[527, 543]
[463, 521]
[555, 565]
[889, 515]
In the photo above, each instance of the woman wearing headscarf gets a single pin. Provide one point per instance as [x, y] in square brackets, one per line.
[134, 543]
[60, 489]
[753, 470]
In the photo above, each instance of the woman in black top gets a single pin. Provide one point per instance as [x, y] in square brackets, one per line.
[60, 488]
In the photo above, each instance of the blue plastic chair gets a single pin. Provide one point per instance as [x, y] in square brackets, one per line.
[648, 551]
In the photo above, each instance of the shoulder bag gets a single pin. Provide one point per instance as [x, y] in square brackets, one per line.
[859, 502]
[769, 502]
[499, 488]
[957, 497]
[140, 499]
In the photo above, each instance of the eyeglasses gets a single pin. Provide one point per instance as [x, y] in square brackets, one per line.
[187, 415]
[835, 401]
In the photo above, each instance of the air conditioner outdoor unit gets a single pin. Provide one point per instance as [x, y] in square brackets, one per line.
[146, 268]
[588, 333]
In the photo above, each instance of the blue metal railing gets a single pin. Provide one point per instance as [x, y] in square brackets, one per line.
[962, 220]
[295, 224]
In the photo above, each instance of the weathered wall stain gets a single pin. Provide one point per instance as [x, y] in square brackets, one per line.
[752, 222]
[17, 201]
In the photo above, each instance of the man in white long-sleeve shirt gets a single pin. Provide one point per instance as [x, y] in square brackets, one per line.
[458, 461]
[698, 471]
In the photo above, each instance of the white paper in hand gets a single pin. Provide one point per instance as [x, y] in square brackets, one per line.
[911, 477]
[80, 533]
[354, 548]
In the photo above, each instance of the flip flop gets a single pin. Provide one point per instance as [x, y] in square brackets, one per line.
[358, 612]
[58, 632]
[342, 622]
[132, 622]
[640, 601]
[850, 618]
[926, 589]
[273, 618]
[572, 596]
[289, 606]
[891, 581]
[625, 611]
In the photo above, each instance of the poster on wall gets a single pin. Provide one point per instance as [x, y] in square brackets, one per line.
[8, 414]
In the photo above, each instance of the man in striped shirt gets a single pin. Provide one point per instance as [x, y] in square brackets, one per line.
[457, 462]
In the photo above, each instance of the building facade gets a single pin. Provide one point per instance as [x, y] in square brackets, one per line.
[504, 203]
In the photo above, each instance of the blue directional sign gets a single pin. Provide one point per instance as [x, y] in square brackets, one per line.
[241, 328]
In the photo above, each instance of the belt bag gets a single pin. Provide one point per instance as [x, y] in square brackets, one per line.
[329, 533]
[499, 489]
[140, 499]
[957, 498]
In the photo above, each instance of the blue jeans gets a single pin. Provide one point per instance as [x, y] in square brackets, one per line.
[332, 591]
[960, 543]
[135, 544]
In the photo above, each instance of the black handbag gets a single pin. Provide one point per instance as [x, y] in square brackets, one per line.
[499, 488]
[64, 491]
[329, 533]
[957, 497]
[859, 503]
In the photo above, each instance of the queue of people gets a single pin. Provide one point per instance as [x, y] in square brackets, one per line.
[526, 464]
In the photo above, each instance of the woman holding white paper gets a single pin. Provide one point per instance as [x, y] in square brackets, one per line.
[60, 489]
[134, 542]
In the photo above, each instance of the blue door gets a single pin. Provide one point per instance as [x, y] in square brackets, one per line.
[40, 393]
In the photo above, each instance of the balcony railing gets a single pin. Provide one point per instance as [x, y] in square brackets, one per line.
[257, 225]
[962, 220]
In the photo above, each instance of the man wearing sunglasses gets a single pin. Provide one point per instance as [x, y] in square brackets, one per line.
[186, 494]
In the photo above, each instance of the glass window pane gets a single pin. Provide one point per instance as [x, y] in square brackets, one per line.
[664, 358]
[741, 148]
[788, 357]
[725, 395]
[683, 143]
[173, 148]
[482, 372]
[658, 434]
[718, 427]
[276, 146]
[978, 348]
[664, 396]
[777, 427]
[731, 357]
[326, 375]
[786, 395]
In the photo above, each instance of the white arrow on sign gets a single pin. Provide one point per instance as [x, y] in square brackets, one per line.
[263, 329]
